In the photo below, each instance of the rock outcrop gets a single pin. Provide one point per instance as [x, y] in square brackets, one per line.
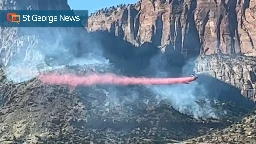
[239, 72]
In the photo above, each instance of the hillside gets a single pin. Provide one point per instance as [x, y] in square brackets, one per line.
[241, 132]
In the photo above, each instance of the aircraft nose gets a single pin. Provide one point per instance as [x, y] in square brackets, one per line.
[195, 76]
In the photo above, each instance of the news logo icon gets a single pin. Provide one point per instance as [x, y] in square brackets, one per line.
[13, 17]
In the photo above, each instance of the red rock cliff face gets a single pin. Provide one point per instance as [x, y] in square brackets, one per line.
[211, 26]
[191, 27]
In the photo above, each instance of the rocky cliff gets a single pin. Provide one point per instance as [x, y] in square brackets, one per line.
[213, 26]
[191, 28]
[239, 72]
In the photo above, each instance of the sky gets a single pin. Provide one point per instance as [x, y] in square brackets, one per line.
[93, 5]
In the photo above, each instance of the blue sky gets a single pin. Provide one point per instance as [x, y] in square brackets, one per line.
[93, 5]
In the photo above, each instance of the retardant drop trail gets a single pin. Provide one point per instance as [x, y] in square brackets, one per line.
[103, 79]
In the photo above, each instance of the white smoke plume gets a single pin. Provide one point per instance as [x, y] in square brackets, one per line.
[28, 63]
[31, 59]
[189, 99]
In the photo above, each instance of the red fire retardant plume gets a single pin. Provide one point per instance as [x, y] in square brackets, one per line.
[104, 79]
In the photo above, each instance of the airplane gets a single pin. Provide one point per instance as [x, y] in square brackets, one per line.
[194, 77]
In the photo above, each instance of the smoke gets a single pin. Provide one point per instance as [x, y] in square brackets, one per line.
[44, 49]
[189, 99]
[55, 50]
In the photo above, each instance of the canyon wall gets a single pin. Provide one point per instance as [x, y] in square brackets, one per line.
[213, 26]
[191, 28]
